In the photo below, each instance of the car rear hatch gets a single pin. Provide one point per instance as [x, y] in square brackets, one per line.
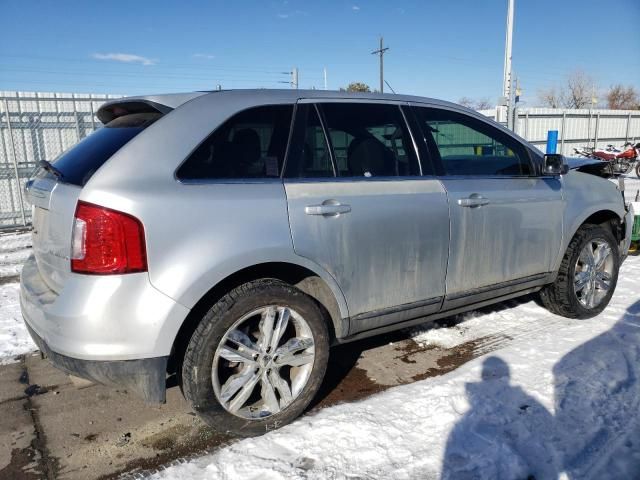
[55, 189]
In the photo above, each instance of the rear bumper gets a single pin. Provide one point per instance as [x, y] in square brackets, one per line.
[114, 317]
[113, 330]
[145, 377]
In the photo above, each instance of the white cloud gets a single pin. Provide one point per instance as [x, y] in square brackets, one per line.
[355, 8]
[292, 14]
[124, 57]
[206, 56]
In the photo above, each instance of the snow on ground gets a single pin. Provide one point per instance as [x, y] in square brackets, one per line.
[632, 187]
[564, 402]
[494, 321]
[14, 338]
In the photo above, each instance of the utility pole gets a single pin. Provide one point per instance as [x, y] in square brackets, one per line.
[324, 72]
[293, 78]
[506, 80]
[516, 100]
[381, 51]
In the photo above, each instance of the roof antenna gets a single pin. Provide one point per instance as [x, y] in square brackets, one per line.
[390, 87]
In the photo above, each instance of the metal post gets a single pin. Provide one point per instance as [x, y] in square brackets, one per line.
[93, 122]
[324, 72]
[626, 135]
[506, 79]
[5, 151]
[58, 129]
[589, 129]
[38, 133]
[75, 115]
[380, 52]
[294, 78]
[564, 118]
[526, 125]
[595, 135]
[381, 67]
[15, 162]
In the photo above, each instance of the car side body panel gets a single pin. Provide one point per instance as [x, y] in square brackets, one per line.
[585, 195]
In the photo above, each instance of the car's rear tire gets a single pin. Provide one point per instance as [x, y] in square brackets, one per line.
[257, 358]
[587, 276]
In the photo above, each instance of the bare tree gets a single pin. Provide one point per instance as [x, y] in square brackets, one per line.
[580, 90]
[576, 93]
[482, 104]
[620, 97]
[550, 97]
[466, 102]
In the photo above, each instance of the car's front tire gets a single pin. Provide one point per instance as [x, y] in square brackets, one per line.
[587, 276]
[257, 358]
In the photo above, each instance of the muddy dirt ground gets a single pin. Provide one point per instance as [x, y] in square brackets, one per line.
[51, 427]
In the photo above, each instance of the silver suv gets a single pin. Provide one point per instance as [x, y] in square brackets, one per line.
[230, 238]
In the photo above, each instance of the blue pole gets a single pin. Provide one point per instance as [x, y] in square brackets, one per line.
[552, 141]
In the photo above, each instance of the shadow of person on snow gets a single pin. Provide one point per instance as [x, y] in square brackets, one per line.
[506, 434]
[595, 432]
[597, 403]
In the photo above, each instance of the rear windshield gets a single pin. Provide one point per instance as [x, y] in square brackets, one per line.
[79, 163]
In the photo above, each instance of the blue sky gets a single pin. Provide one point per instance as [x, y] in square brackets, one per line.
[439, 48]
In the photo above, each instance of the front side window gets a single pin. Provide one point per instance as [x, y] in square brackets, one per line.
[468, 146]
[369, 140]
[251, 144]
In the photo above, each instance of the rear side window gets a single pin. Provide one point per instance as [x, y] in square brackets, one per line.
[370, 140]
[79, 163]
[468, 146]
[251, 144]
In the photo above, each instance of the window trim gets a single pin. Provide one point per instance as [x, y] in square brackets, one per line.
[299, 126]
[437, 162]
[237, 180]
[327, 140]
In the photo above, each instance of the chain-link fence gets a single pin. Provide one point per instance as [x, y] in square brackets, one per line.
[34, 127]
[40, 126]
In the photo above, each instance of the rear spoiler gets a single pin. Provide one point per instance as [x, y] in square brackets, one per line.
[126, 106]
[144, 104]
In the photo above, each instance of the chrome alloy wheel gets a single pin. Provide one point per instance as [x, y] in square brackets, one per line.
[263, 362]
[593, 273]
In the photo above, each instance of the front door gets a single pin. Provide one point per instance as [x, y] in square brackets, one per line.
[359, 207]
[506, 220]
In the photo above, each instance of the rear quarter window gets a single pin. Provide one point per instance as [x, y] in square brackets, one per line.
[79, 163]
[251, 144]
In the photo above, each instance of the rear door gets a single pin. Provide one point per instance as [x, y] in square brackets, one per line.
[54, 198]
[506, 220]
[360, 208]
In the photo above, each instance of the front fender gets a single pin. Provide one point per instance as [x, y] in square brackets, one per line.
[584, 196]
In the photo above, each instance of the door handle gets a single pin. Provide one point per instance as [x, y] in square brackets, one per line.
[474, 200]
[328, 208]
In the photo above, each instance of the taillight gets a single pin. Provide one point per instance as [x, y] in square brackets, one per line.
[106, 242]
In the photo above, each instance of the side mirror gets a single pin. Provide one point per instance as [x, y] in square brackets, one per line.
[554, 164]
